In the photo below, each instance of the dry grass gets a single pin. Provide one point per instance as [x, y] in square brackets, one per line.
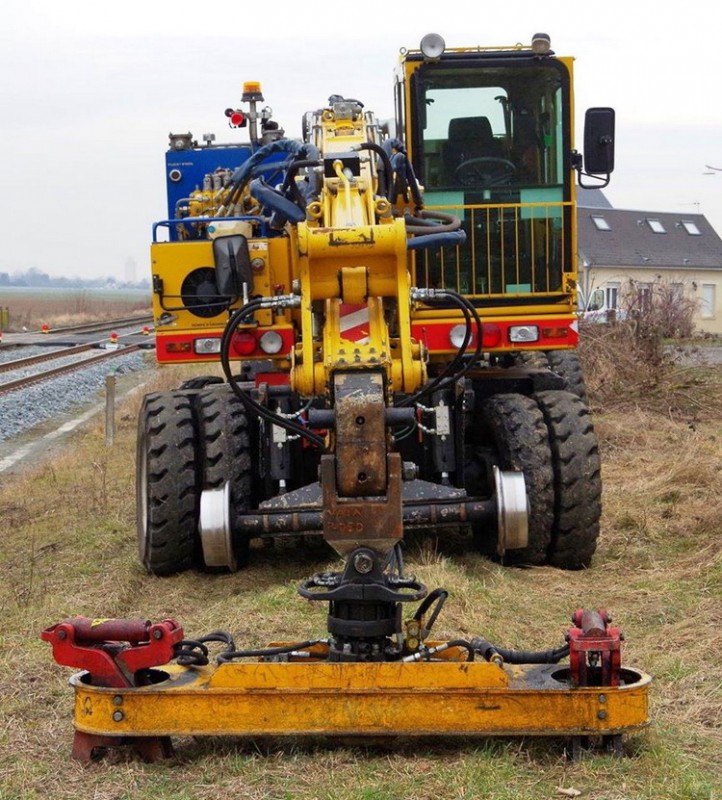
[59, 307]
[68, 547]
[627, 366]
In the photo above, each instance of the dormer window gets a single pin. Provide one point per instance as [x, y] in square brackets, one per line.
[601, 223]
[656, 226]
[691, 228]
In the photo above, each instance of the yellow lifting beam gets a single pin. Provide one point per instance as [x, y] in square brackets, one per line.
[409, 699]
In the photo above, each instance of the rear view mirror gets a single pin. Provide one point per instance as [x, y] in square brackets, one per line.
[233, 264]
[599, 141]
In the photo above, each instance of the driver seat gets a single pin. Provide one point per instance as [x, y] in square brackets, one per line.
[469, 137]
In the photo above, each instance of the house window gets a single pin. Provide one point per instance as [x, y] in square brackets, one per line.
[691, 228]
[612, 295]
[601, 223]
[656, 226]
[707, 309]
[644, 297]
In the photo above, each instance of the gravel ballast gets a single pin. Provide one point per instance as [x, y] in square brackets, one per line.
[23, 409]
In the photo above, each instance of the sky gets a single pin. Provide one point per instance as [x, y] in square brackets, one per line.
[90, 91]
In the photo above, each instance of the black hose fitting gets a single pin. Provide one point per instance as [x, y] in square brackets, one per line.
[489, 651]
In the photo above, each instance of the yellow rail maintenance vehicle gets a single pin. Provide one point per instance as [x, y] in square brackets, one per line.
[394, 312]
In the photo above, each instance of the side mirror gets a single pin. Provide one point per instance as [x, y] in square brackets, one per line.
[599, 141]
[233, 264]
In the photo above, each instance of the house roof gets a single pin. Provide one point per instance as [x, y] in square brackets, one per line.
[592, 198]
[620, 238]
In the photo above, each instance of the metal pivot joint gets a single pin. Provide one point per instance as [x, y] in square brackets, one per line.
[364, 607]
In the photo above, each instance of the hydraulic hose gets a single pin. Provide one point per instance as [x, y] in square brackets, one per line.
[244, 173]
[438, 596]
[386, 173]
[251, 405]
[435, 221]
[445, 239]
[456, 368]
[402, 172]
[268, 652]
[425, 654]
[193, 652]
[313, 189]
[449, 371]
[286, 209]
[488, 651]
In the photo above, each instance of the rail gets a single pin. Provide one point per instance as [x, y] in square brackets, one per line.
[104, 325]
[38, 377]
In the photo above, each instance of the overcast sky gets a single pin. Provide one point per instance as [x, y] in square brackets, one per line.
[90, 90]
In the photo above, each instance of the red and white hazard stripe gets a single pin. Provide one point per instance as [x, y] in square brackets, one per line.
[354, 322]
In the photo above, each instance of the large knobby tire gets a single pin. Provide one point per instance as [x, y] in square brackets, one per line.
[531, 359]
[519, 433]
[566, 364]
[167, 491]
[226, 455]
[577, 479]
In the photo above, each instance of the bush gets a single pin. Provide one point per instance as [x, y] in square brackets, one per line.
[623, 361]
[662, 306]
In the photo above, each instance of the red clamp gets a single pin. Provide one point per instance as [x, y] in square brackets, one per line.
[113, 650]
[595, 649]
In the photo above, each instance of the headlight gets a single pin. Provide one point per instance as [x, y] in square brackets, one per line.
[457, 334]
[271, 342]
[524, 333]
[207, 346]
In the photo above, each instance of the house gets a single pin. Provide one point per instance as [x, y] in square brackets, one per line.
[631, 254]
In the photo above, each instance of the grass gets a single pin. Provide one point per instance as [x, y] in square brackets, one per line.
[32, 308]
[68, 547]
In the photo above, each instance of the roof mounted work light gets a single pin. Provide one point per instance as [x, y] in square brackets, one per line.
[432, 46]
[541, 44]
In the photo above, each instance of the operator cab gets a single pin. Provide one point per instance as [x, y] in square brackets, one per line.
[490, 136]
[494, 130]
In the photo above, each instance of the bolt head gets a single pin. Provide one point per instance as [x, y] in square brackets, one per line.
[363, 563]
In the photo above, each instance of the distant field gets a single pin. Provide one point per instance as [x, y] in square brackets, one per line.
[32, 308]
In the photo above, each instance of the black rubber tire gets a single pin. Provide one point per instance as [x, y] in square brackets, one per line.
[566, 364]
[226, 453]
[577, 479]
[201, 382]
[167, 491]
[520, 437]
[532, 359]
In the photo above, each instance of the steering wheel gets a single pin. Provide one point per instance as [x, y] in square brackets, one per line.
[484, 171]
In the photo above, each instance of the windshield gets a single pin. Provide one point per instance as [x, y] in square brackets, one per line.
[492, 126]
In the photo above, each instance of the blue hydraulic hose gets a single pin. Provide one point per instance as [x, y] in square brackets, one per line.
[274, 200]
[447, 239]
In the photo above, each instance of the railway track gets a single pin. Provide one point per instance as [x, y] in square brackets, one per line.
[103, 325]
[52, 355]
[54, 371]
